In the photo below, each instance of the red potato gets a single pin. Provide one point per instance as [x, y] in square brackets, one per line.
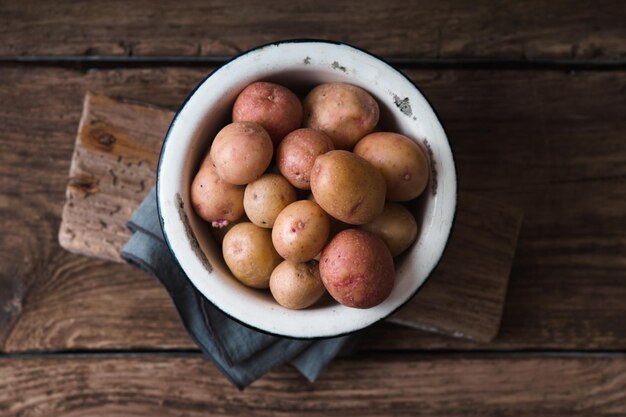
[241, 152]
[297, 152]
[300, 231]
[348, 187]
[344, 112]
[270, 105]
[357, 269]
[213, 199]
[401, 161]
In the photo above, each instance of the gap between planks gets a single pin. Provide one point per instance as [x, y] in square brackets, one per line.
[88, 62]
[416, 353]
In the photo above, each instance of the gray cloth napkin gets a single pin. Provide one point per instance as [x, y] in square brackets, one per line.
[242, 354]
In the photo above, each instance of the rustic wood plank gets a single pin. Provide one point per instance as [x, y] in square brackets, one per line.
[189, 385]
[39, 112]
[465, 295]
[112, 169]
[93, 304]
[582, 30]
[566, 289]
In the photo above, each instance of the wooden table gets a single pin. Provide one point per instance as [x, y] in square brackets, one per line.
[533, 96]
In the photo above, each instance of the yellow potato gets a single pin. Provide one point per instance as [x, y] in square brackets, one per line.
[300, 231]
[401, 161]
[296, 285]
[266, 197]
[336, 225]
[396, 226]
[348, 187]
[219, 232]
[249, 254]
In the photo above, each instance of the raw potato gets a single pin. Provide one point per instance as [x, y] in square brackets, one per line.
[241, 152]
[348, 187]
[342, 236]
[357, 269]
[344, 112]
[214, 200]
[272, 106]
[401, 161]
[297, 152]
[296, 285]
[249, 254]
[266, 197]
[219, 232]
[300, 231]
[396, 226]
[336, 225]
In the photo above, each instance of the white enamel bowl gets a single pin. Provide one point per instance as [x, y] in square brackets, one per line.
[300, 65]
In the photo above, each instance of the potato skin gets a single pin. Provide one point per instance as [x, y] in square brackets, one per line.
[273, 106]
[396, 226]
[357, 269]
[219, 232]
[241, 152]
[344, 112]
[249, 254]
[213, 199]
[336, 225]
[266, 197]
[300, 231]
[401, 161]
[348, 187]
[297, 152]
[296, 285]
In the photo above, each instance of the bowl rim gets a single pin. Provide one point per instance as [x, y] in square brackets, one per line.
[290, 41]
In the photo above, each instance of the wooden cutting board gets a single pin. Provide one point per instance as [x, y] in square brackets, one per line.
[114, 167]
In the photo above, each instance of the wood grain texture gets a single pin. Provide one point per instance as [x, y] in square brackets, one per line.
[548, 142]
[108, 180]
[465, 295]
[174, 385]
[112, 170]
[530, 30]
[39, 111]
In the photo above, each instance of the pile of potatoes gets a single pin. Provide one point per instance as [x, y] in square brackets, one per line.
[327, 215]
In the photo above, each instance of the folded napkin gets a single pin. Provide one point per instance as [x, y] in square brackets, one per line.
[239, 352]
